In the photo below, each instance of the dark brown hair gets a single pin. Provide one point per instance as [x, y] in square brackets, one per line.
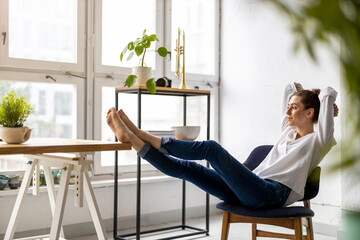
[310, 99]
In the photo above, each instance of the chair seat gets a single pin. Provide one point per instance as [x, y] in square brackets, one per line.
[284, 212]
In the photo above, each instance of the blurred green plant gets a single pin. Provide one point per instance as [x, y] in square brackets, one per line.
[139, 47]
[13, 110]
[332, 23]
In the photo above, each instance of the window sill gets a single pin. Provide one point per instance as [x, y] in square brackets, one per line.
[96, 184]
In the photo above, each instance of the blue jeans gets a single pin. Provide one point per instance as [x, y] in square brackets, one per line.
[229, 180]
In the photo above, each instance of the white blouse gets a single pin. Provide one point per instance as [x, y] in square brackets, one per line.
[291, 160]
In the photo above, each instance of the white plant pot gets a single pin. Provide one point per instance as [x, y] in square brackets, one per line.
[143, 74]
[15, 134]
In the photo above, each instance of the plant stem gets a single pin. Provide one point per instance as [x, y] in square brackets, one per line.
[142, 60]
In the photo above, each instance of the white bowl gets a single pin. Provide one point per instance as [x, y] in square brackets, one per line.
[186, 132]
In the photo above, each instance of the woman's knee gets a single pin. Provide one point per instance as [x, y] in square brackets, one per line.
[212, 144]
[212, 148]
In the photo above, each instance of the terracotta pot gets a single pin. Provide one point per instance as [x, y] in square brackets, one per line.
[15, 134]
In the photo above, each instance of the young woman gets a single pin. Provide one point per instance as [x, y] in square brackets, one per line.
[278, 181]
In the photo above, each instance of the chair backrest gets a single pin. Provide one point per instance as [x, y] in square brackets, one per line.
[257, 156]
[313, 181]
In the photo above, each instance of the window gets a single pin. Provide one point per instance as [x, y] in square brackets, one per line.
[45, 121]
[41, 108]
[141, 16]
[48, 122]
[47, 46]
[158, 113]
[43, 30]
[63, 101]
[119, 22]
[197, 18]
[42, 34]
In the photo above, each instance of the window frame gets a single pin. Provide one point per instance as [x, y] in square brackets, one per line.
[192, 76]
[40, 77]
[114, 76]
[123, 72]
[38, 65]
[89, 89]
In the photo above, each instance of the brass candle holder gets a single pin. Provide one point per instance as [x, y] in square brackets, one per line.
[180, 50]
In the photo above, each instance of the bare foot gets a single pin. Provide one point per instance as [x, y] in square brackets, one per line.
[128, 122]
[153, 140]
[117, 126]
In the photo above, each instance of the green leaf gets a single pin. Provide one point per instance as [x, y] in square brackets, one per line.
[123, 53]
[130, 56]
[131, 80]
[146, 43]
[138, 41]
[150, 85]
[144, 32]
[162, 51]
[152, 37]
[130, 46]
[139, 50]
[121, 56]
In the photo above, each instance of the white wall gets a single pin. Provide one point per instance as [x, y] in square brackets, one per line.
[257, 61]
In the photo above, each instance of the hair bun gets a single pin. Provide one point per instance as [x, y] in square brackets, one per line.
[317, 91]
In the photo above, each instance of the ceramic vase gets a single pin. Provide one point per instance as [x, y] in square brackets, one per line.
[143, 74]
[15, 134]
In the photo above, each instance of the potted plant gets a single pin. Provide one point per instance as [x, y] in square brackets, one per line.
[13, 113]
[141, 74]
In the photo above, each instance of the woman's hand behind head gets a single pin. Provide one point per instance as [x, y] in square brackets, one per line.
[316, 90]
[336, 110]
[298, 86]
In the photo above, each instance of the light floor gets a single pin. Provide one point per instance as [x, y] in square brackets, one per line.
[237, 231]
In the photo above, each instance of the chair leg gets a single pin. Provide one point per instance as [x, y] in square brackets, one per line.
[298, 229]
[254, 234]
[309, 229]
[225, 226]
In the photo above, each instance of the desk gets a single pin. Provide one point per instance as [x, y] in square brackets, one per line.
[38, 151]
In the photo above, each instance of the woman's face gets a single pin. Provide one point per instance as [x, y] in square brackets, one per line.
[297, 114]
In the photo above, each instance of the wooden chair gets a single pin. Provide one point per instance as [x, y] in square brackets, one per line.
[293, 217]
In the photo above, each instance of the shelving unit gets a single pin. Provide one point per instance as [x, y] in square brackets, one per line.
[184, 93]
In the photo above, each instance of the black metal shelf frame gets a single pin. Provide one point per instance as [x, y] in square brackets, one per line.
[183, 226]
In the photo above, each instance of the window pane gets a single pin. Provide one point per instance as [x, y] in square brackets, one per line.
[49, 119]
[43, 30]
[123, 22]
[197, 19]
